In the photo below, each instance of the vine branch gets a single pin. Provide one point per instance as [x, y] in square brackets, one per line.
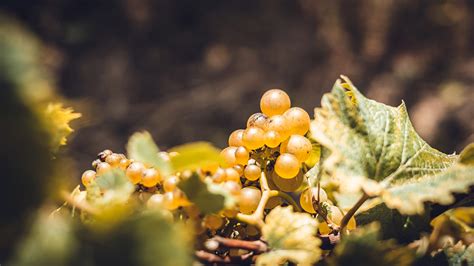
[352, 211]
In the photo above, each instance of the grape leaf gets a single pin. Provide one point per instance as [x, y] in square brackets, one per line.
[455, 255]
[194, 155]
[363, 247]
[291, 237]
[208, 197]
[373, 147]
[141, 147]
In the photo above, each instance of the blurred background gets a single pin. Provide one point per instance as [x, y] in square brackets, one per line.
[195, 70]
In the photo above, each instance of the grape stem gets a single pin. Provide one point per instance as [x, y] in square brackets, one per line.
[207, 257]
[256, 218]
[256, 246]
[352, 211]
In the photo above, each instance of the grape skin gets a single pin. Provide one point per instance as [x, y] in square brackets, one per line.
[135, 172]
[249, 199]
[298, 120]
[253, 138]
[235, 138]
[258, 120]
[272, 139]
[274, 102]
[287, 185]
[242, 155]
[310, 194]
[252, 172]
[150, 177]
[87, 177]
[297, 145]
[228, 155]
[279, 124]
[287, 166]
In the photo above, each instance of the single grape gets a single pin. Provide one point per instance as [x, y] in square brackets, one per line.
[252, 172]
[272, 139]
[287, 165]
[170, 183]
[113, 159]
[135, 172]
[323, 228]
[239, 168]
[235, 138]
[87, 177]
[219, 176]
[298, 120]
[279, 124]
[213, 221]
[232, 187]
[102, 168]
[253, 138]
[258, 120]
[228, 155]
[288, 185]
[273, 202]
[155, 201]
[297, 145]
[232, 175]
[169, 201]
[151, 177]
[242, 155]
[103, 154]
[275, 102]
[249, 199]
[309, 195]
[124, 163]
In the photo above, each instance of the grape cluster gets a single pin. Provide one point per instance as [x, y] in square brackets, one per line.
[273, 146]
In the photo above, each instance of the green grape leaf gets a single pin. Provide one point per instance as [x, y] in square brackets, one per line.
[373, 147]
[194, 155]
[291, 237]
[208, 197]
[363, 247]
[141, 147]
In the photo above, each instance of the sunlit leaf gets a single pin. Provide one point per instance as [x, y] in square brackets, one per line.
[291, 237]
[373, 147]
[194, 155]
[208, 197]
[57, 119]
[142, 148]
[363, 247]
[456, 255]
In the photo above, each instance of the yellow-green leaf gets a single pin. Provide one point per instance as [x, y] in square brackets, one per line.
[208, 197]
[291, 237]
[373, 147]
[141, 147]
[57, 119]
[194, 155]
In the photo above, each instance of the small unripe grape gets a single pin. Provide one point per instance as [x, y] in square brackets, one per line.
[272, 139]
[298, 120]
[151, 177]
[135, 172]
[239, 168]
[249, 199]
[297, 145]
[275, 102]
[242, 155]
[258, 120]
[252, 172]
[309, 195]
[235, 138]
[232, 187]
[213, 221]
[103, 168]
[103, 155]
[232, 175]
[228, 155]
[155, 201]
[279, 124]
[253, 138]
[288, 185]
[219, 176]
[287, 165]
[169, 201]
[170, 183]
[87, 177]
[113, 159]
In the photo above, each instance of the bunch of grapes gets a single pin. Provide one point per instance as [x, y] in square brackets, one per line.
[273, 146]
